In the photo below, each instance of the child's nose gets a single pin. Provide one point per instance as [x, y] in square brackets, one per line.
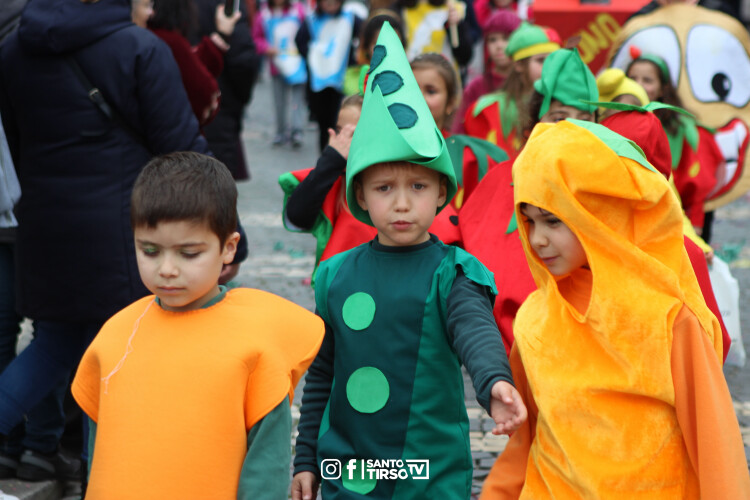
[402, 199]
[537, 238]
[167, 268]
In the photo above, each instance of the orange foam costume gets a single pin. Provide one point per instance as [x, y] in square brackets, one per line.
[174, 394]
[618, 365]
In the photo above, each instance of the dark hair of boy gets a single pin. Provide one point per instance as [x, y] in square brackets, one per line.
[185, 186]
[175, 15]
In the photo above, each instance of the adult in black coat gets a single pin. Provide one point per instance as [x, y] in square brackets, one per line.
[75, 253]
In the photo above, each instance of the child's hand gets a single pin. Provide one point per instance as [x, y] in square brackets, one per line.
[304, 486]
[506, 408]
[225, 24]
[453, 15]
[341, 141]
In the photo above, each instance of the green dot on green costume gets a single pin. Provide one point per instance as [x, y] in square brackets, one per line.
[367, 389]
[360, 481]
[358, 311]
[404, 116]
[378, 54]
[388, 81]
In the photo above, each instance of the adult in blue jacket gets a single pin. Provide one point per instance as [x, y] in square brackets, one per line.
[75, 252]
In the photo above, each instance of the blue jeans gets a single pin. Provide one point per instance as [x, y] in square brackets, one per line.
[42, 368]
[46, 420]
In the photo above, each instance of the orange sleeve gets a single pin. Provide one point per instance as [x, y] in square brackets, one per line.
[507, 476]
[705, 413]
[85, 386]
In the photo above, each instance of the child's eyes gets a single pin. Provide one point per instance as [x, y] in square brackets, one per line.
[190, 255]
[382, 188]
[418, 186]
[150, 251]
[553, 221]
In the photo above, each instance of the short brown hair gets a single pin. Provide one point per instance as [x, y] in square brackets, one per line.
[185, 186]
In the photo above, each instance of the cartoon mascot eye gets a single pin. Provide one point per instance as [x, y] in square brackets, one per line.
[655, 40]
[718, 66]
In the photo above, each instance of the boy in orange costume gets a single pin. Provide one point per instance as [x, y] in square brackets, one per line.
[615, 354]
[188, 391]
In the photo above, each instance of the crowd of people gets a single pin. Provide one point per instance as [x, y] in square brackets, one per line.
[543, 227]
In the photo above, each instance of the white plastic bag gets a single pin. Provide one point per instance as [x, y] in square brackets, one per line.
[727, 292]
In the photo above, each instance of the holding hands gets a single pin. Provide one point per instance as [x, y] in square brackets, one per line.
[506, 408]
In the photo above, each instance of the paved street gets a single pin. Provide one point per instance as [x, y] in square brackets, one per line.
[281, 261]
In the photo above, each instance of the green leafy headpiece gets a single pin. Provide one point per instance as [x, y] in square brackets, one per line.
[566, 78]
[395, 124]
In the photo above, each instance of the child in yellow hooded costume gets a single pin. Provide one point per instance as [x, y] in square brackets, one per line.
[617, 358]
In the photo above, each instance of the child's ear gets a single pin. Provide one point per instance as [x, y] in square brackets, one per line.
[443, 191]
[230, 247]
[360, 195]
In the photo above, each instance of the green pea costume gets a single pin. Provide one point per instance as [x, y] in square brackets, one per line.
[400, 321]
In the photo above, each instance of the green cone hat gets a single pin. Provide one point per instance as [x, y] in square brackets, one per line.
[566, 78]
[395, 124]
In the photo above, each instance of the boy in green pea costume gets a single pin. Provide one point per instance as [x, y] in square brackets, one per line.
[402, 313]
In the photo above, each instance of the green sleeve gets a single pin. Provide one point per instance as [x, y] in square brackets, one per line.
[265, 471]
[92, 439]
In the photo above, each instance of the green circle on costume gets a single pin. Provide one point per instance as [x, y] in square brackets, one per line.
[367, 389]
[358, 311]
[359, 483]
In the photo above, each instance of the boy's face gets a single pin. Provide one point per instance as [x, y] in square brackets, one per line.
[558, 112]
[402, 200]
[553, 242]
[180, 262]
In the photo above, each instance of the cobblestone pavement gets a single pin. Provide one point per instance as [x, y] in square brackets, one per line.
[281, 261]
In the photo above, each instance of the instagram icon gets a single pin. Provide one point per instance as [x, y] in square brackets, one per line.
[330, 468]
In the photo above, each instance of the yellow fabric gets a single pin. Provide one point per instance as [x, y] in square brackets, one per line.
[425, 29]
[601, 377]
[540, 48]
[172, 421]
[613, 83]
[704, 411]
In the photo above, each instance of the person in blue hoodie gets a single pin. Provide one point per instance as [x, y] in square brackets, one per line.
[75, 255]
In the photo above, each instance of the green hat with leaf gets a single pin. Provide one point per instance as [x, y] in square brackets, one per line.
[567, 79]
[529, 40]
[395, 124]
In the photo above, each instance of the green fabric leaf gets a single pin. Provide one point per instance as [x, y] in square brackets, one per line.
[512, 224]
[404, 116]
[652, 106]
[388, 81]
[378, 54]
[622, 146]
[507, 109]
[480, 148]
